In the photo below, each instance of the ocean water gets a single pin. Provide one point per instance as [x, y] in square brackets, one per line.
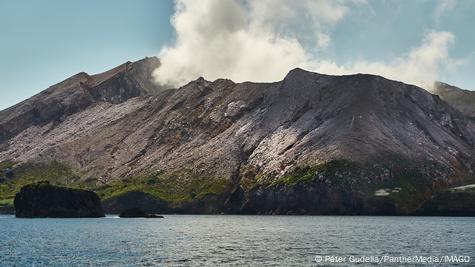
[194, 240]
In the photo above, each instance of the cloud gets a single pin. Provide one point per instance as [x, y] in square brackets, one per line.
[441, 8]
[246, 40]
[262, 40]
[421, 66]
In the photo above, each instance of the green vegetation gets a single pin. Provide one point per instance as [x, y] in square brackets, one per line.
[261, 179]
[336, 172]
[299, 175]
[407, 189]
[6, 165]
[21, 175]
[39, 184]
[6, 202]
[410, 182]
[175, 188]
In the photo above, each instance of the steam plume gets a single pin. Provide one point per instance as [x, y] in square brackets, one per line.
[262, 40]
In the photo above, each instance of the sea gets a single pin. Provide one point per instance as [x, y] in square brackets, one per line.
[235, 240]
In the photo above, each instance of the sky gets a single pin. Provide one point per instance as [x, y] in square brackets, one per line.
[43, 42]
[420, 41]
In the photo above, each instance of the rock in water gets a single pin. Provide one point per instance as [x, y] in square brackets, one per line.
[137, 213]
[43, 200]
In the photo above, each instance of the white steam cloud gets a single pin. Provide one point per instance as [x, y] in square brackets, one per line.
[262, 40]
[421, 66]
[442, 7]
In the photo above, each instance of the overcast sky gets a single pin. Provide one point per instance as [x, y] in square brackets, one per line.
[44, 42]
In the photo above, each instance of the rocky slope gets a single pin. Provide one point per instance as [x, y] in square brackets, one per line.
[76, 94]
[311, 143]
[463, 100]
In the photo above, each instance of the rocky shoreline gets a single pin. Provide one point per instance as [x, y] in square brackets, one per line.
[459, 201]
[458, 204]
[45, 200]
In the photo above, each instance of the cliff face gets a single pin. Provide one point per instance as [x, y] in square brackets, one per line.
[42, 200]
[459, 201]
[310, 143]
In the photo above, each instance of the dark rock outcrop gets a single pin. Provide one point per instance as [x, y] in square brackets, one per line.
[137, 213]
[43, 200]
[210, 204]
[131, 200]
[451, 202]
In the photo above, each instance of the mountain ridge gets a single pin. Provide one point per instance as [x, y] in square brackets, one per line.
[461, 99]
[76, 93]
[283, 147]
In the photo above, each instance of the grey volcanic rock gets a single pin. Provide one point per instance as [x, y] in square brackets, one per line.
[241, 144]
[77, 93]
[463, 100]
[42, 200]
